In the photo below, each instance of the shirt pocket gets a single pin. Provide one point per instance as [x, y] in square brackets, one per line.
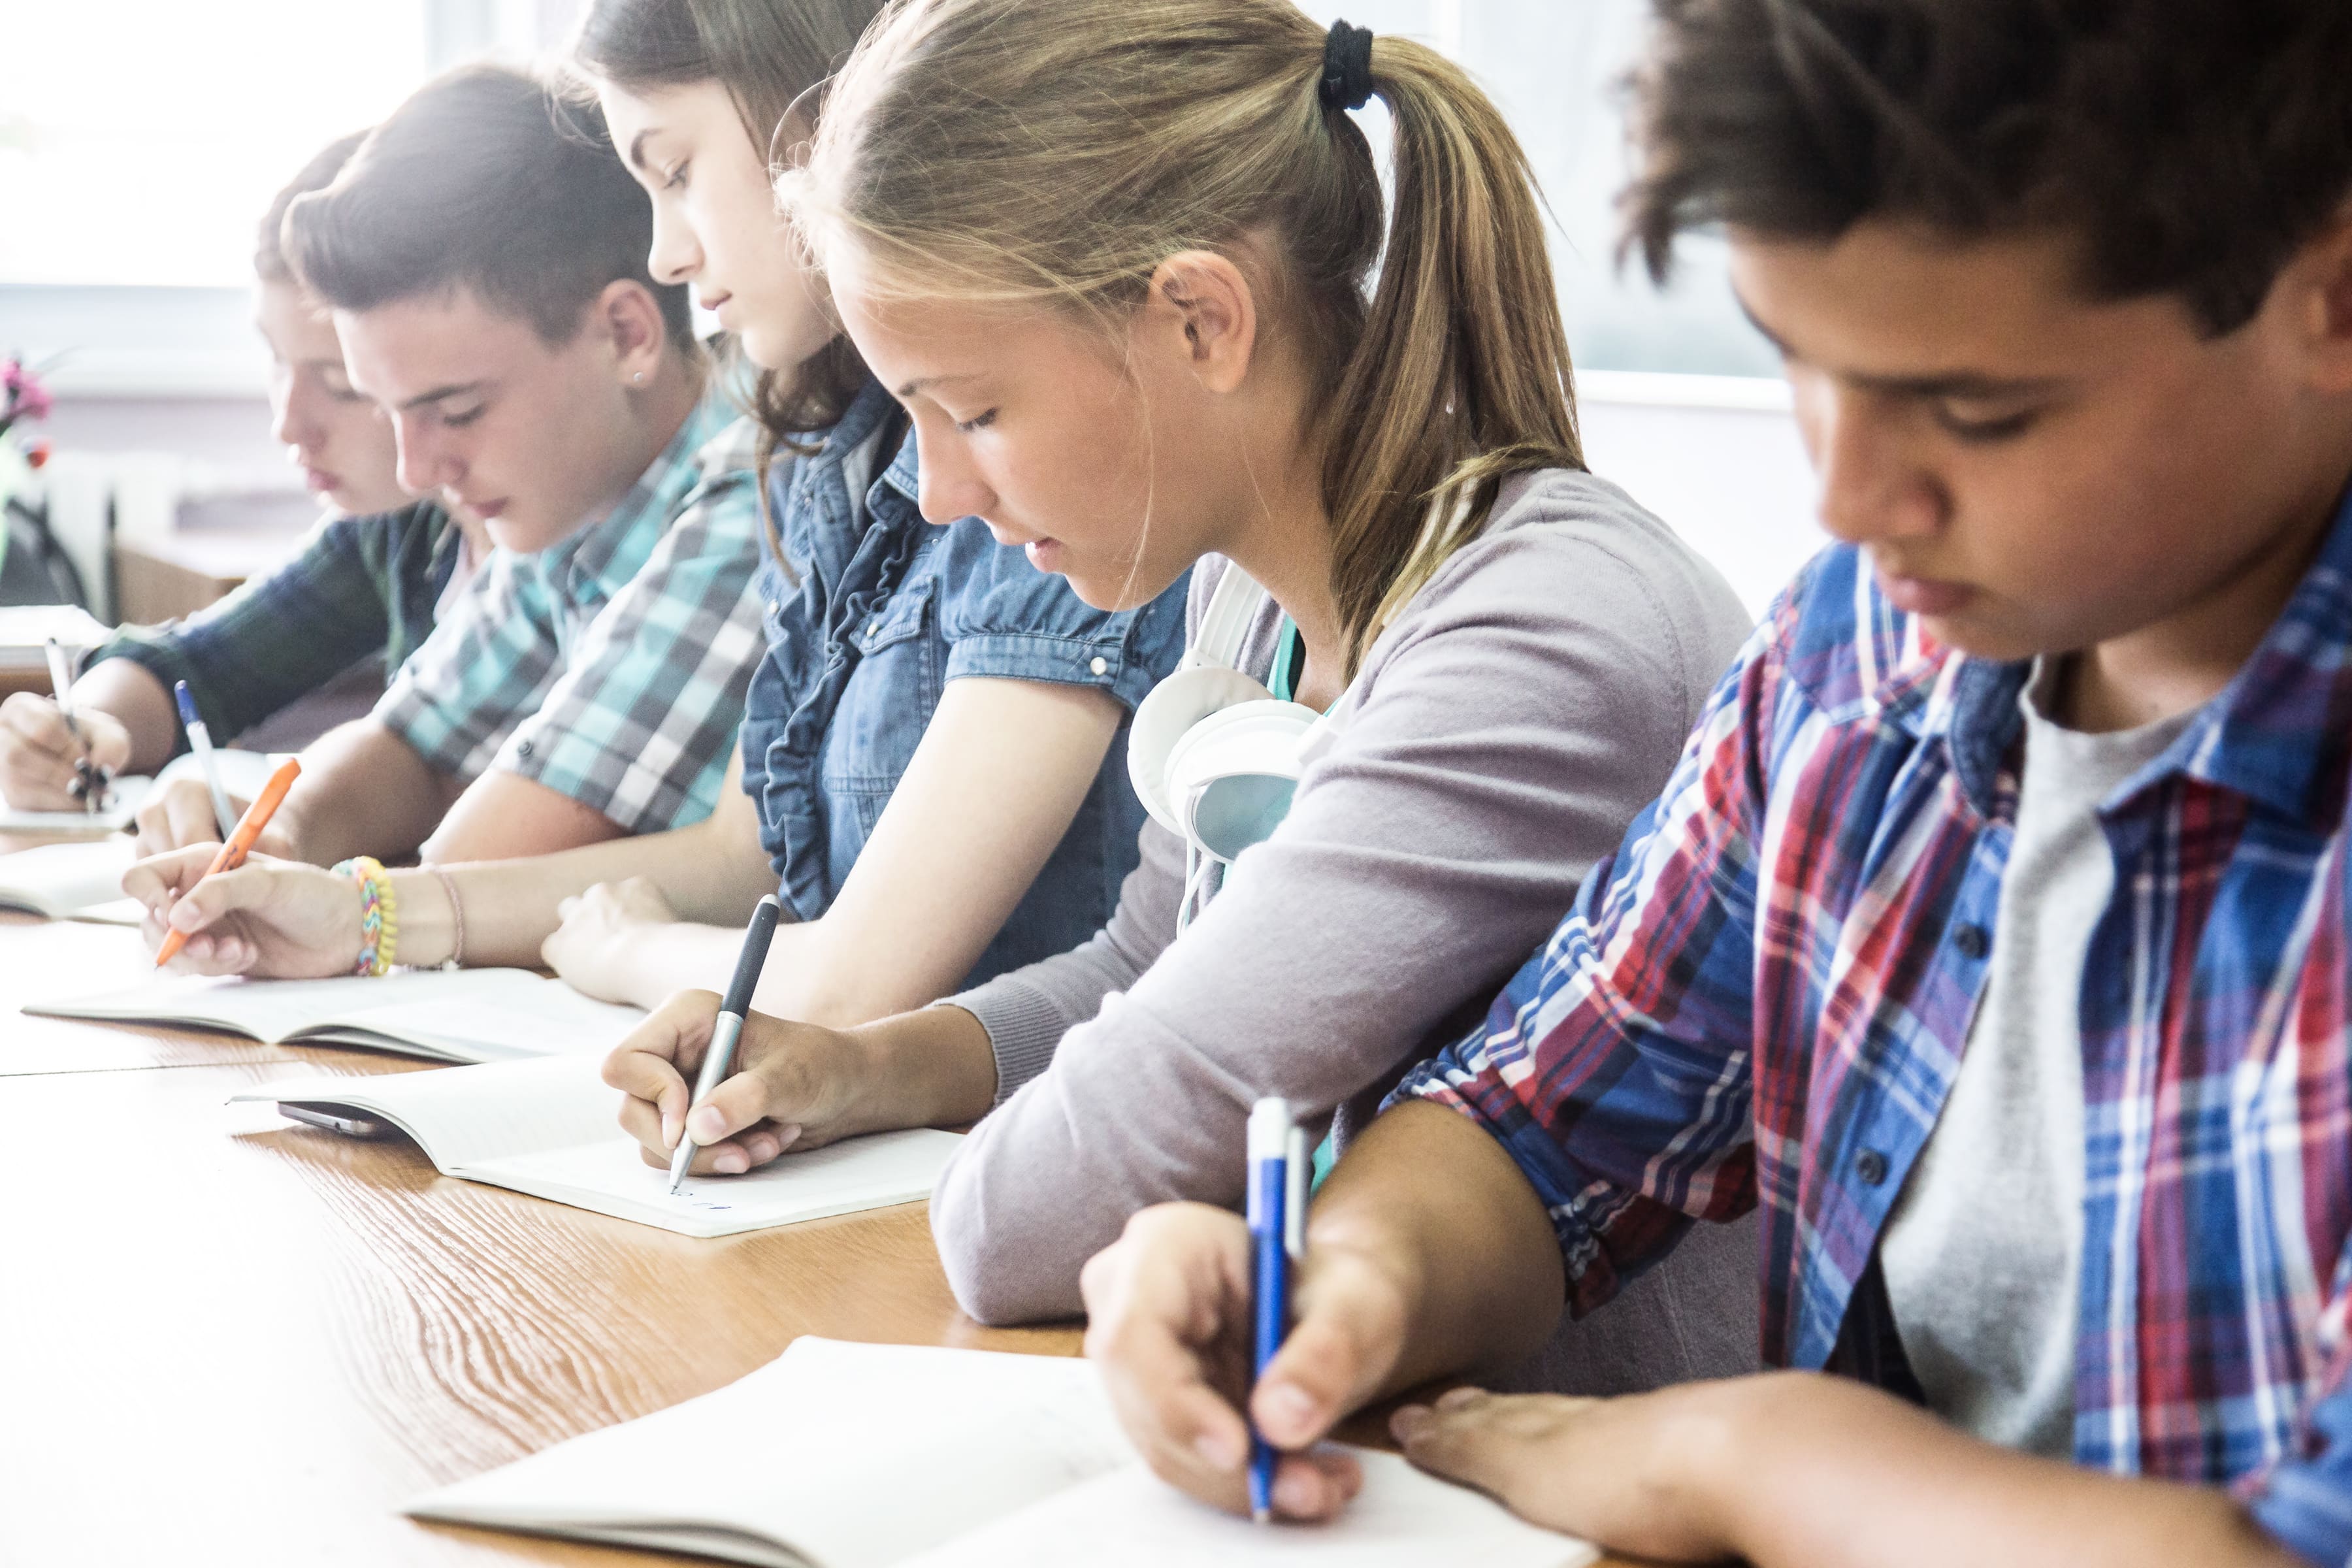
[887, 703]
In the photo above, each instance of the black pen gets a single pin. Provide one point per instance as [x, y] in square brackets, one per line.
[720, 1059]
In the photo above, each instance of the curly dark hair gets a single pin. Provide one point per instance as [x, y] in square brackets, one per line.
[2190, 146]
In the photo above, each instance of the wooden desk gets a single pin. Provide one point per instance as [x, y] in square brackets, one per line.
[225, 1339]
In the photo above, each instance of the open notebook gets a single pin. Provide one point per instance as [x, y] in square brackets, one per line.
[849, 1456]
[453, 1016]
[549, 1128]
[122, 804]
[83, 881]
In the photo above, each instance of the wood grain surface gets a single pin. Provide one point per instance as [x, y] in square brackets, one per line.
[225, 1339]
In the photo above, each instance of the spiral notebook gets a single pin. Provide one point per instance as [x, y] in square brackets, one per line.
[853, 1456]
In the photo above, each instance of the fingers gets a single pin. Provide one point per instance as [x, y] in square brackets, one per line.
[650, 1065]
[157, 879]
[737, 1105]
[1349, 1333]
[37, 755]
[1511, 1446]
[178, 814]
[1166, 1312]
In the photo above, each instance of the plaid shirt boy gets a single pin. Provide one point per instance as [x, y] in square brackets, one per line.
[361, 585]
[1764, 997]
[611, 667]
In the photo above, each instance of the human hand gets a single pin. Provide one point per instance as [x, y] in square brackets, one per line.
[180, 813]
[38, 752]
[275, 918]
[596, 948]
[795, 1086]
[1636, 1475]
[1168, 1321]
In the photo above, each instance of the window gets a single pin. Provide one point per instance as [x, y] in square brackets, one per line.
[149, 142]
[1553, 67]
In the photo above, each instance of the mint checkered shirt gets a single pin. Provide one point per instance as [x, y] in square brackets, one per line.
[611, 667]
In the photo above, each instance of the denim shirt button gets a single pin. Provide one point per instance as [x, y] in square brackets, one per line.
[1101, 664]
[522, 748]
[1871, 1166]
[1972, 941]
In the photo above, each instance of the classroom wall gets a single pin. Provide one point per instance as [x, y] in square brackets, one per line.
[1718, 458]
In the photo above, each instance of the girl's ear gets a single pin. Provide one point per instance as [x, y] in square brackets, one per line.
[1202, 309]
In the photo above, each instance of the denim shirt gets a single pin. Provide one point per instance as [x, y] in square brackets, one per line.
[888, 609]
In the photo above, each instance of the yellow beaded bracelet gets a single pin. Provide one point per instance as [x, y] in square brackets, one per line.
[379, 911]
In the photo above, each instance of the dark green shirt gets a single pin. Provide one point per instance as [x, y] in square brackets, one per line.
[361, 585]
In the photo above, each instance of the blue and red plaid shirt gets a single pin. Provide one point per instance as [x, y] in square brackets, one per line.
[1764, 995]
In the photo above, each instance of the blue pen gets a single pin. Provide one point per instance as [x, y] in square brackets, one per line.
[200, 741]
[1279, 1167]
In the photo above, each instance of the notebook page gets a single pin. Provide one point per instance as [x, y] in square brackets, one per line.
[56, 879]
[461, 1115]
[512, 1004]
[610, 1176]
[1403, 1518]
[841, 1456]
[504, 1024]
[122, 803]
[113, 912]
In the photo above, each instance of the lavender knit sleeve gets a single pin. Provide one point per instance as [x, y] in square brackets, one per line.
[1497, 741]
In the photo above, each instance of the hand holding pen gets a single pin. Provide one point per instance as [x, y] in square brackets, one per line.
[90, 780]
[719, 1059]
[238, 844]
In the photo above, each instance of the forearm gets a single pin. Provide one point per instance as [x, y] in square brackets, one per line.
[131, 692]
[931, 1067]
[1800, 1470]
[1470, 1251]
[364, 791]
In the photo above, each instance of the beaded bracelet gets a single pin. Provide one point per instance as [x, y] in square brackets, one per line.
[379, 924]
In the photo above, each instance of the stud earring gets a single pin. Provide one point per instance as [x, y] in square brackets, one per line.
[639, 379]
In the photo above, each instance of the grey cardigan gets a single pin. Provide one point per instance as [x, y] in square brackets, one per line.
[1499, 739]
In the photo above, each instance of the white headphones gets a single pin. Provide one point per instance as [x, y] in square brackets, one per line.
[1213, 755]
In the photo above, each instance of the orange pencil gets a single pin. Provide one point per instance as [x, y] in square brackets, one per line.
[233, 852]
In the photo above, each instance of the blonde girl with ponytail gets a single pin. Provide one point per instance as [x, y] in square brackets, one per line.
[1123, 263]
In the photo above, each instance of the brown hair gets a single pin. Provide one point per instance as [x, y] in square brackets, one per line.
[1058, 151]
[269, 263]
[2190, 146]
[768, 55]
[484, 178]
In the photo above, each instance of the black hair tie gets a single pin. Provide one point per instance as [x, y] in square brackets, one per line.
[1347, 67]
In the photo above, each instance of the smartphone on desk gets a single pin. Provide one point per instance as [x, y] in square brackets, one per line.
[335, 1118]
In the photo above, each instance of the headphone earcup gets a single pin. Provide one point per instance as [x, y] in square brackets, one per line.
[1167, 713]
[1229, 778]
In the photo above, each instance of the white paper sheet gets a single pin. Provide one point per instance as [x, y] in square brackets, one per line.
[123, 804]
[612, 1177]
[461, 1015]
[842, 1456]
[59, 880]
[1403, 1518]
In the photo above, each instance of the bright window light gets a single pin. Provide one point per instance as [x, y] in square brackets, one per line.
[141, 140]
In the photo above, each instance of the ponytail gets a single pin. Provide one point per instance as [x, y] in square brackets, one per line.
[1056, 151]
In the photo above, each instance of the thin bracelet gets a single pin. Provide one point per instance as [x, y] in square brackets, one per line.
[379, 914]
[457, 959]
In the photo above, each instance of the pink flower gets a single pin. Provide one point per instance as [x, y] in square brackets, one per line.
[25, 397]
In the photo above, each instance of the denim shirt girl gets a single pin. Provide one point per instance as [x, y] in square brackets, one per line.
[885, 611]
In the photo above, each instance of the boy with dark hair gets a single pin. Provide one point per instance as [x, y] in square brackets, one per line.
[362, 587]
[485, 254]
[1991, 936]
